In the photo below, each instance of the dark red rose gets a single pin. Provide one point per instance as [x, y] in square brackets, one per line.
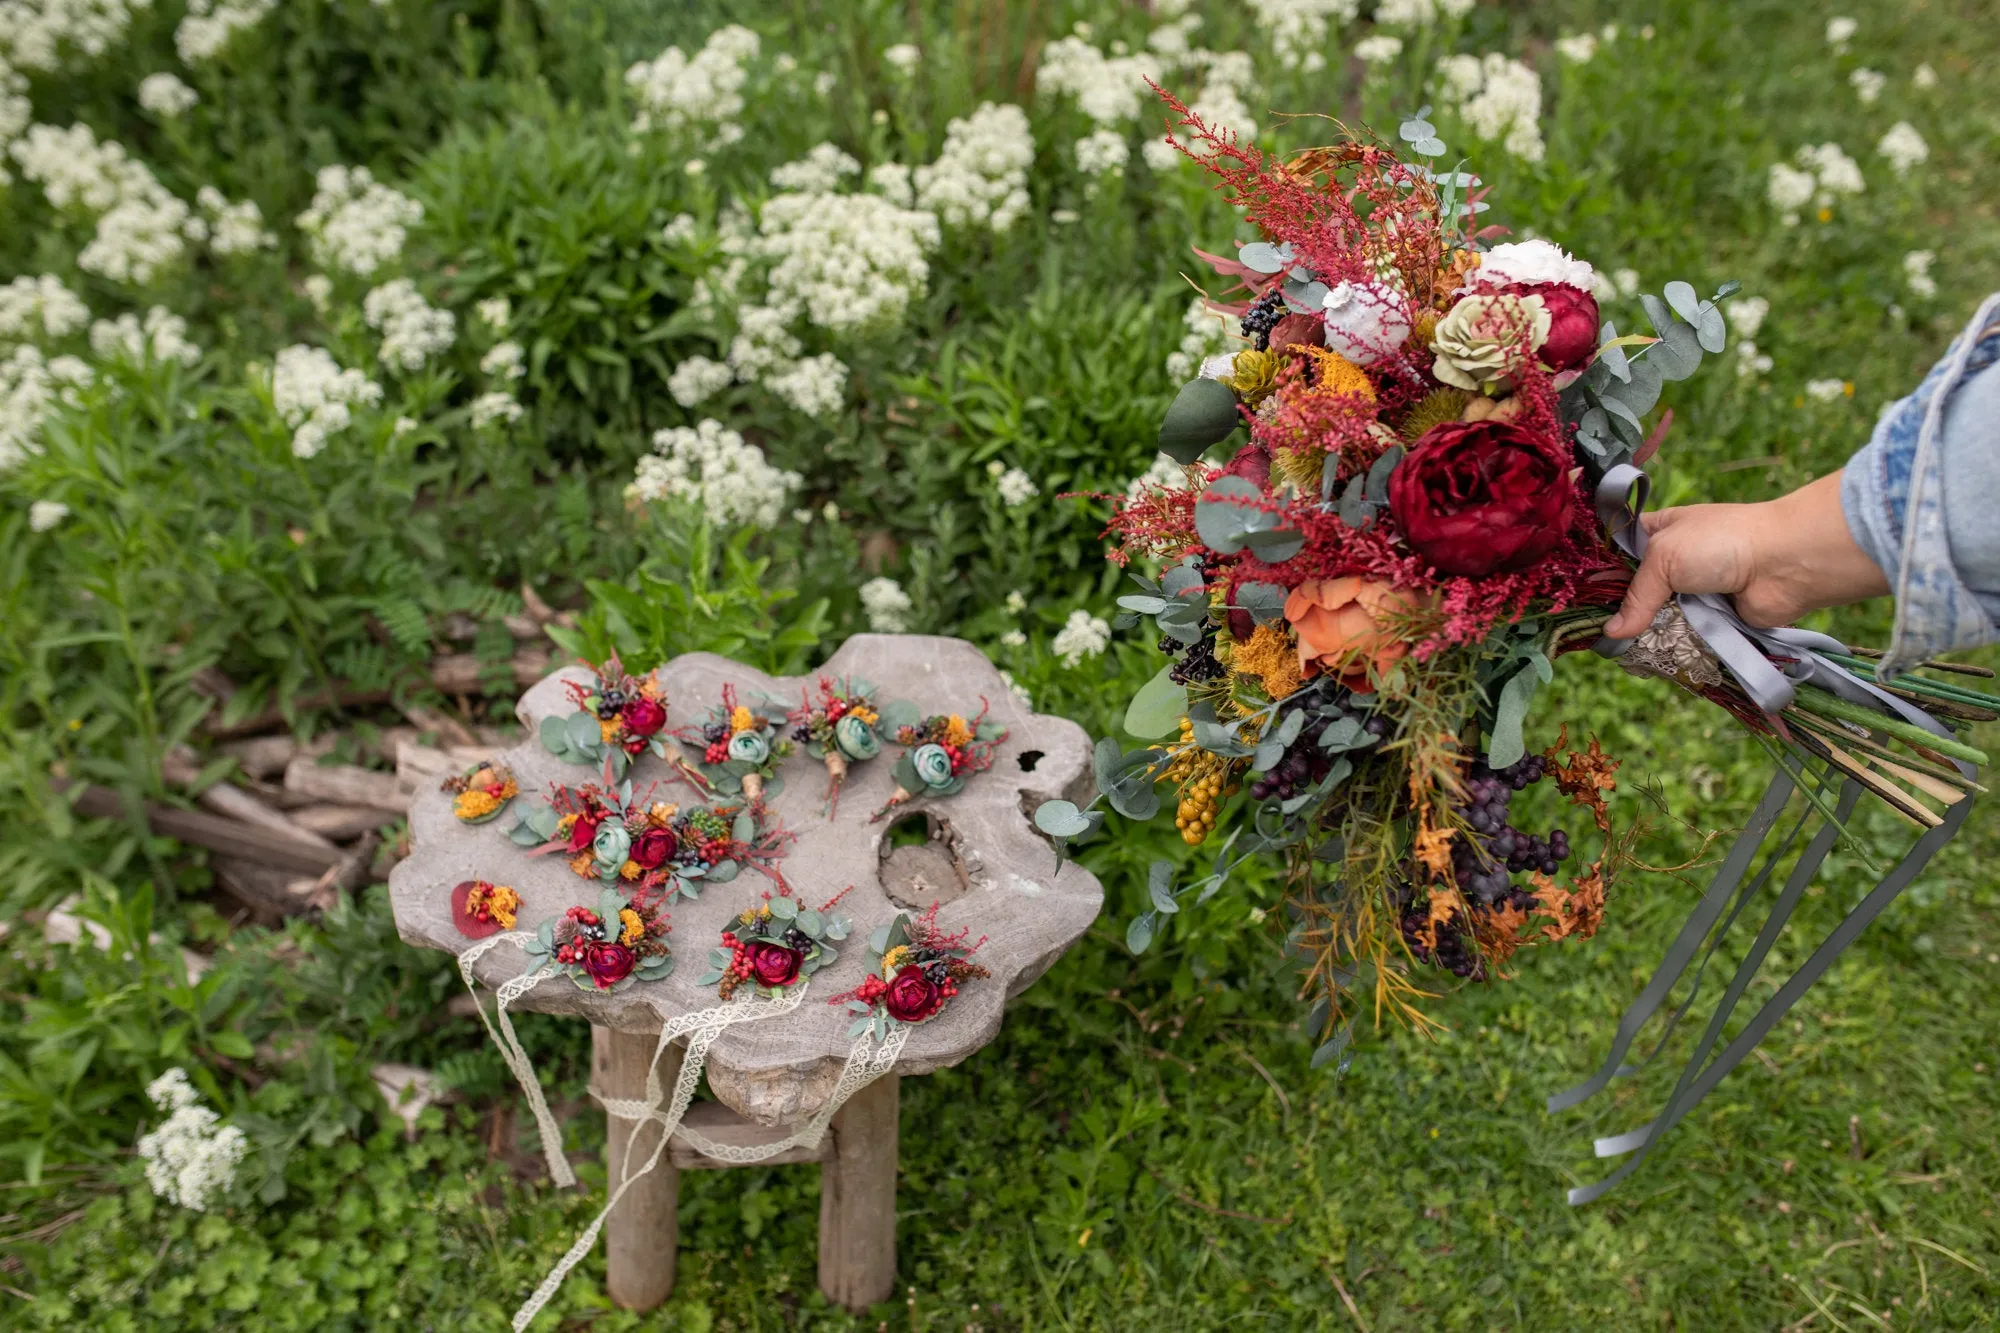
[652, 848]
[772, 964]
[1572, 322]
[1480, 497]
[608, 963]
[643, 716]
[912, 997]
[584, 832]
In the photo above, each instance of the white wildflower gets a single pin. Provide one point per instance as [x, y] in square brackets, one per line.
[505, 360]
[1101, 151]
[762, 344]
[1063, 217]
[1904, 147]
[1868, 84]
[887, 605]
[675, 92]
[404, 425]
[165, 96]
[694, 166]
[497, 406]
[902, 57]
[233, 228]
[1789, 190]
[816, 386]
[1835, 171]
[191, 1157]
[161, 338]
[982, 174]
[45, 514]
[319, 290]
[1297, 29]
[1082, 635]
[1917, 272]
[697, 379]
[1378, 49]
[210, 23]
[680, 229]
[29, 386]
[729, 480]
[825, 82]
[1746, 315]
[1924, 77]
[1014, 638]
[355, 222]
[1627, 280]
[1826, 391]
[1109, 90]
[312, 394]
[1498, 98]
[494, 312]
[1840, 31]
[1016, 487]
[1750, 363]
[141, 228]
[37, 34]
[413, 331]
[42, 305]
[849, 262]
[802, 516]
[1208, 333]
[830, 512]
[1579, 49]
[1164, 474]
[891, 180]
[1160, 155]
[820, 170]
[1017, 602]
[1018, 690]
[138, 238]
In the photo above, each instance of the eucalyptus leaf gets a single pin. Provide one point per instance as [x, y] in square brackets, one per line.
[1139, 934]
[1305, 298]
[1263, 257]
[1503, 743]
[784, 908]
[1710, 330]
[1143, 604]
[1160, 886]
[1677, 354]
[1264, 601]
[1376, 489]
[1681, 298]
[1157, 709]
[1204, 413]
[1061, 819]
[1275, 546]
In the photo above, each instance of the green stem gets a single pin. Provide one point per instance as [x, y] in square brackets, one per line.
[1815, 700]
[1918, 684]
[1813, 793]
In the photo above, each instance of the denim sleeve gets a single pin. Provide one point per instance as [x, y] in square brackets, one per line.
[1922, 498]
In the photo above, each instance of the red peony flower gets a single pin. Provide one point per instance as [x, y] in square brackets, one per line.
[773, 964]
[608, 963]
[584, 832]
[1572, 322]
[1481, 497]
[644, 717]
[912, 997]
[652, 848]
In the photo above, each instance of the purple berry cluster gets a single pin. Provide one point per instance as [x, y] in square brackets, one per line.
[1484, 865]
[1305, 763]
[1263, 316]
[1196, 665]
[1456, 951]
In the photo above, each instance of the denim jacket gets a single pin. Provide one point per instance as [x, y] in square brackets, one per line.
[1922, 498]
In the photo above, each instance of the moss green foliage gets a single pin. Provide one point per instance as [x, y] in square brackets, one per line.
[1145, 1145]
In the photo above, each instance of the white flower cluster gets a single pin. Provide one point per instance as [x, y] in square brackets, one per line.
[887, 605]
[494, 312]
[763, 344]
[821, 171]
[1923, 77]
[191, 1158]
[728, 479]
[1828, 391]
[1868, 84]
[44, 305]
[1839, 32]
[1579, 48]
[497, 406]
[45, 514]
[161, 338]
[357, 223]
[141, 228]
[1111, 90]
[1164, 474]
[165, 96]
[211, 23]
[982, 174]
[1421, 13]
[674, 91]
[1824, 172]
[1917, 272]
[697, 379]
[1102, 151]
[505, 361]
[1082, 635]
[1298, 29]
[902, 57]
[413, 331]
[29, 385]
[1378, 48]
[816, 385]
[680, 229]
[1016, 487]
[1220, 106]
[15, 112]
[35, 33]
[315, 396]
[1746, 315]
[1904, 147]
[1498, 98]
[848, 262]
[1208, 334]
[233, 229]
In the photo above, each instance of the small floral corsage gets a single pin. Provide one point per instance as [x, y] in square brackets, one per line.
[740, 747]
[481, 792]
[607, 949]
[944, 751]
[777, 944]
[618, 718]
[843, 726]
[480, 909]
[608, 834]
[918, 968]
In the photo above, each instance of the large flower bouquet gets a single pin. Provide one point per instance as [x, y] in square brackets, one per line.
[1436, 499]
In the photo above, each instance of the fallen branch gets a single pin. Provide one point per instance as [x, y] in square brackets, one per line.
[451, 673]
[228, 836]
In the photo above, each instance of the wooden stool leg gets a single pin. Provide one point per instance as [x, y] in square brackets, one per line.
[857, 1199]
[641, 1234]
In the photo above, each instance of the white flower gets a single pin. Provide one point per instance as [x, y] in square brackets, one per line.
[36, 35]
[1836, 172]
[165, 96]
[312, 394]
[1165, 474]
[29, 386]
[498, 405]
[319, 290]
[1298, 28]
[1790, 190]
[694, 166]
[191, 1157]
[1379, 49]
[1109, 90]
[982, 174]
[162, 338]
[825, 82]
[902, 57]
[233, 228]
[698, 378]
[887, 605]
[1530, 262]
[413, 331]
[891, 180]
[1868, 84]
[1498, 98]
[1208, 335]
[1016, 487]
[1750, 363]
[45, 514]
[1017, 602]
[26, 303]
[816, 386]
[680, 229]
[1904, 147]
[1826, 391]
[674, 91]
[1579, 49]
[820, 170]
[1018, 690]
[727, 478]
[1917, 272]
[1746, 315]
[1014, 638]
[762, 344]
[210, 23]
[1160, 155]
[1840, 31]
[1924, 77]
[1220, 106]
[1627, 281]
[851, 263]
[1366, 322]
[494, 312]
[141, 228]
[1082, 635]
[1421, 13]
[506, 361]
[1101, 151]
[404, 425]
[355, 222]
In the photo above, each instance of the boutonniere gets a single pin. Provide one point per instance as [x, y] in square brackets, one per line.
[944, 752]
[480, 909]
[844, 726]
[740, 747]
[618, 718]
[481, 792]
[622, 941]
[918, 968]
[777, 944]
[612, 835]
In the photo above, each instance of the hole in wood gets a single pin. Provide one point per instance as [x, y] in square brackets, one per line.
[921, 863]
[1029, 758]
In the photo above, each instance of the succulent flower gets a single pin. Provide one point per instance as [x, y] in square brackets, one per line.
[1486, 339]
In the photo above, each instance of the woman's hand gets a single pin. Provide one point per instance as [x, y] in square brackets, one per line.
[1779, 559]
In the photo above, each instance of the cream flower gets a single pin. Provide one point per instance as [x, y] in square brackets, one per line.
[1366, 322]
[1484, 339]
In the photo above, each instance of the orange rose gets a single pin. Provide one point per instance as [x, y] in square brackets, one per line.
[1339, 630]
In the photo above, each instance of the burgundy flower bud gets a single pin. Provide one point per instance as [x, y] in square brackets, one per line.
[1482, 497]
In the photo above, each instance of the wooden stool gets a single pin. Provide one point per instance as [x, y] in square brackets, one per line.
[979, 857]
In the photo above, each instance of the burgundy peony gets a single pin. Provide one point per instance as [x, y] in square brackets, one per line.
[772, 964]
[584, 832]
[643, 716]
[652, 848]
[608, 963]
[1572, 322]
[912, 997]
[1482, 497]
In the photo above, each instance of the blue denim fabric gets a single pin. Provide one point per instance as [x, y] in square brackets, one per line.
[1922, 498]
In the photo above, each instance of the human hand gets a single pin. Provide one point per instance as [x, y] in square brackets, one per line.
[1778, 559]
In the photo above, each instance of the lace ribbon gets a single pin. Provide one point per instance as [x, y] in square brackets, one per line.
[510, 1045]
[866, 1062]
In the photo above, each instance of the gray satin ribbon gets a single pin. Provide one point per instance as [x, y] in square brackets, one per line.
[1621, 496]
